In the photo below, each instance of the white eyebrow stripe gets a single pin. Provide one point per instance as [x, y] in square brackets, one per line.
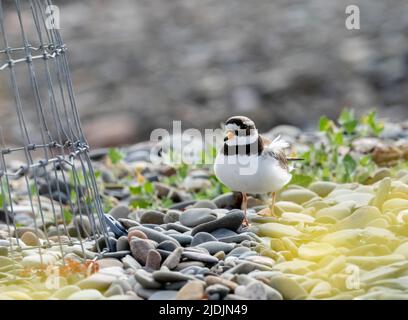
[232, 126]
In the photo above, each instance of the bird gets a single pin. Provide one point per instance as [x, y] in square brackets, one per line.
[250, 163]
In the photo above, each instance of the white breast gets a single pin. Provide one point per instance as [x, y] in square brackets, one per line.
[251, 174]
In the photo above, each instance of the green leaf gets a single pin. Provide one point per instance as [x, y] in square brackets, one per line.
[115, 155]
[301, 180]
[148, 187]
[375, 126]
[349, 164]
[324, 123]
[140, 203]
[365, 160]
[67, 215]
[338, 138]
[135, 190]
[348, 121]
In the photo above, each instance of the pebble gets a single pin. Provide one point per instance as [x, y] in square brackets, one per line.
[202, 237]
[102, 279]
[288, 288]
[123, 244]
[253, 291]
[232, 221]
[136, 233]
[298, 196]
[193, 290]
[173, 259]
[30, 239]
[152, 216]
[200, 257]
[278, 230]
[153, 260]
[130, 262]
[154, 234]
[236, 239]
[227, 200]
[182, 239]
[217, 289]
[140, 249]
[210, 280]
[120, 212]
[189, 264]
[172, 216]
[164, 295]
[109, 262]
[89, 294]
[205, 204]
[216, 246]
[170, 276]
[196, 216]
[168, 245]
[223, 233]
[64, 292]
[146, 280]
[177, 227]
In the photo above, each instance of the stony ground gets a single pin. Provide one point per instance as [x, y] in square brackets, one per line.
[327, 239]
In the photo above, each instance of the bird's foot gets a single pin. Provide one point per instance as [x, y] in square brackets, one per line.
[267, 212]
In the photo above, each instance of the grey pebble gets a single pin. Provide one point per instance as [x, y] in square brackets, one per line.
[122, 243]
[232, 221]
[173, 259]
[202, 237]
[153, 260]
[200, 257]
[163, 295]
[223, 233]
[216, 246]
[152, 217]
[182, 266]
[154, 234]
[196, 216]
[146, 279]
[236, 239]
[177, 226]
[170, 276]
[130, 262]
[140, 248]
[168, 245]
[172, 216]
[217, 288]
[205, 204]
[119, 212]
[182, 239]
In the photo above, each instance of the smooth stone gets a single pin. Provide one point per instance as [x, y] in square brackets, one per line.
[232, 221]
[4, 243]
[123, 244]
[298, 196]
[359, 218]
[152, 216]
[193, 290]
[205, 204]
[143, 292]
[114, 290]
[253, 291]
[19, 232]
[395, 204]
[104, 242]
[128, 223]
[278, 230]
[82, 224]
[216, 246]
[164, 295]
[102, 279]
[338, 212]
[196, 256]
[182, 239]
[236, 239]
[88, 294]
[217, 289]
[154, 234]
[140, 249]
[170, 276]
[402, 249]
[322, 188]
[315, 250]
[236, 252]
[223, 233]
[153, 260]
[227, 200]
[173, 259]
[188, 264]
[109, 262]
[202, 237]
[196, 216]
[287, 206]
[64, 292]
[136, 233]
[172, 216]
[182, 205]
[168, 245]
[288, 288]
[177, 227]
[130, 262]
[30, 239]
[146, 280]
[120, 212]
[211, 280]
[37, 260]
[247, 267]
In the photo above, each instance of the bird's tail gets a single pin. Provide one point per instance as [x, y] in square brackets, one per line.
[295, 159]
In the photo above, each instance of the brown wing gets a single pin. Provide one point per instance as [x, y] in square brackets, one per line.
[280, 156]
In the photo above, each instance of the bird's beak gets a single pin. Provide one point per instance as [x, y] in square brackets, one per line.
[229, 135]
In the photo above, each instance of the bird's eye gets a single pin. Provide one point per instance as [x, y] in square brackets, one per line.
[236, 132]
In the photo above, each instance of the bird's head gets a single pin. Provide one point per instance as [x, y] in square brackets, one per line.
[239, 128]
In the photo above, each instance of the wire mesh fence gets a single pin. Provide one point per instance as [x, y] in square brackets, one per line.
[51, 189]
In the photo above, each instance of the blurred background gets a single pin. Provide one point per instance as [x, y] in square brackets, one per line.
[140, 64]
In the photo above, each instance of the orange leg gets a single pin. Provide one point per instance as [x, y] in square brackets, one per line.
[273, 203]
[244, 207]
